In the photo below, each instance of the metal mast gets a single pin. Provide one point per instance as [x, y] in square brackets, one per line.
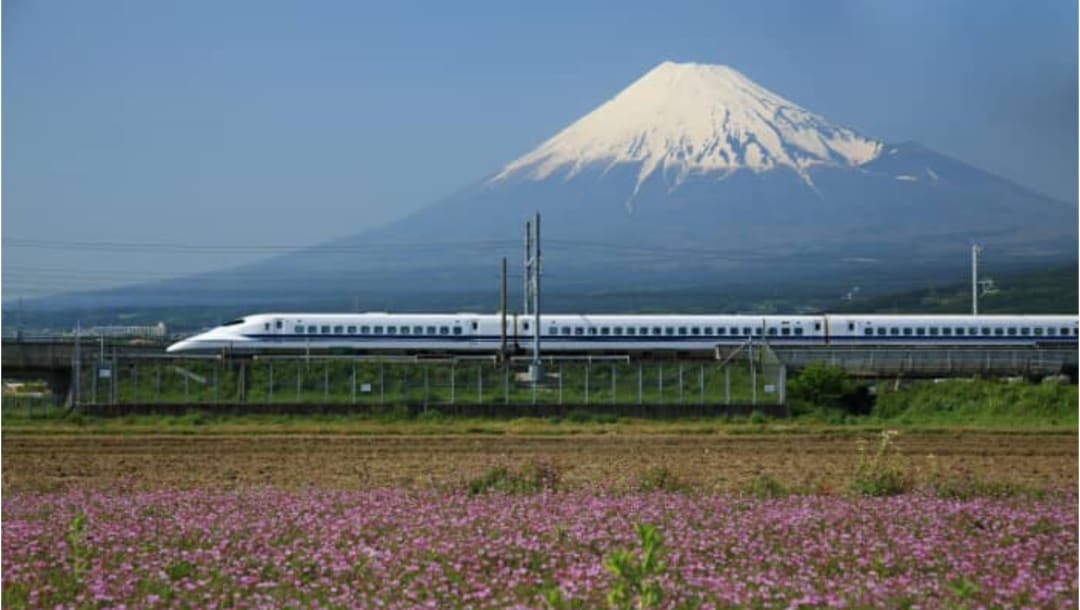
[536, 300]
[526, 287]
[975, 249]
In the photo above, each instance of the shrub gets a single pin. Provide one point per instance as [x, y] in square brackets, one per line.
[660, 478]
[881, 471]
[533, 477]
[764, 486]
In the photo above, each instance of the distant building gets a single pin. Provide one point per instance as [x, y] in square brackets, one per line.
[157, 331]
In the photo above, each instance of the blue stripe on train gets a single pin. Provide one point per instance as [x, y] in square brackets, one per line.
[674, 339]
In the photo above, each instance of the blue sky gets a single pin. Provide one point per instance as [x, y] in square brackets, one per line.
[290, 123]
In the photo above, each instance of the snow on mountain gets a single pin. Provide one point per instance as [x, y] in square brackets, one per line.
[686, 119]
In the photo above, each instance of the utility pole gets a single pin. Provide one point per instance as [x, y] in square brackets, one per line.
[76, 368]
[502, 312]
[528, 270]
[536, 303]
[975, 249]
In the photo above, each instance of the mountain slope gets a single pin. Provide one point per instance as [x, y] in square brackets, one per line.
[693, 175]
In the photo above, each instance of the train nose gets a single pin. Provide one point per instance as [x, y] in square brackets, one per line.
[180, 346]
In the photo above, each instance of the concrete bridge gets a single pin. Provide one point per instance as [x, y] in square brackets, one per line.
[53, 359]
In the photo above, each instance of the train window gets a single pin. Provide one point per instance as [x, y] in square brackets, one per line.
[894, 331]
[524, 326]
[431, 330]
[734, 330]
[553, 330]
[617, 330]
[656, 330]
[785, 331]
[868, 331]
[312, 330]
[907, 332]
[817, 325]
[404, 330]
[444, 330]
[377, 330]
[881, 331]
[644, 330]
[946, 331]
[1025, 331]
[707, 331]
[457, 330]
[695, 331]
[720, 330]
[266, 326]
[352, 330]
[669, 330]
[391, 330]
[1038, 332]
[604, 330]
[1012, 331]
[772, 331]
[277, 324]
[566, 330]
[579, 331]
[1065, 331]
[682, 330]
[475, 325]
[364, 330]
[959, 331]
[325, 330]
[419, 330]
[999, 331]
[592, 330]
[1074, 331]
[746, 331]
[798, 331]
[851, 326]
[1050, 331]
[339, 330]
[920, 331]
[299, 330]
[630, 330]
[933, 331]
[986, 330]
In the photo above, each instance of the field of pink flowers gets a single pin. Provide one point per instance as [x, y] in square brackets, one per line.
[395, 548]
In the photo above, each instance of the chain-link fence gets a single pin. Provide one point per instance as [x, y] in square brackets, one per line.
[367, 381]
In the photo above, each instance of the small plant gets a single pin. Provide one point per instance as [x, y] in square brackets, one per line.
[881, 471]
[76, 541]
[764, 486]
[660, 478]
[636, 579]
[533, 477]
[758, 418]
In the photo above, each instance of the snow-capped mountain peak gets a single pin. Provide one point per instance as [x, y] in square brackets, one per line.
[687, 118]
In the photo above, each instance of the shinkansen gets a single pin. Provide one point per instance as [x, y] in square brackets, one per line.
[584, 333]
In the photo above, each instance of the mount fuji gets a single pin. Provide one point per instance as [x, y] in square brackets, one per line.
[692, 175]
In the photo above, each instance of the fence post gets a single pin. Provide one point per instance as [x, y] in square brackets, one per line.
[613, 386]
[639, 383]
[354, 381]
[93, 380]
[382, 393]
[560, 385]
[782, 382]
[588, 366]
[215, 382]
[480, 384]
[753, 374]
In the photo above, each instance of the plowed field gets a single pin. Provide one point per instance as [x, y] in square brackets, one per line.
[816, 463]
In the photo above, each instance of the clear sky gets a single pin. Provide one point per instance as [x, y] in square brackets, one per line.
[269, 123]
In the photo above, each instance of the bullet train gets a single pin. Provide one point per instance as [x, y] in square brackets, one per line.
[586, 333]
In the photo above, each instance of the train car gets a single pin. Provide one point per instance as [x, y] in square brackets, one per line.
[606, 333]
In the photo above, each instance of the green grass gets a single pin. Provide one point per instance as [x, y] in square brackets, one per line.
[979, 402]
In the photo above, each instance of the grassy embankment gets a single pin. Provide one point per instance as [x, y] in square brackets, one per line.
[921, 406]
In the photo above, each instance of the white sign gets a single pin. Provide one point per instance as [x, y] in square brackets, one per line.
[365, 388]
[104, 373]
[769, 388]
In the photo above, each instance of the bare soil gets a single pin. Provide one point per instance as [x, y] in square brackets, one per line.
[820, 463]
